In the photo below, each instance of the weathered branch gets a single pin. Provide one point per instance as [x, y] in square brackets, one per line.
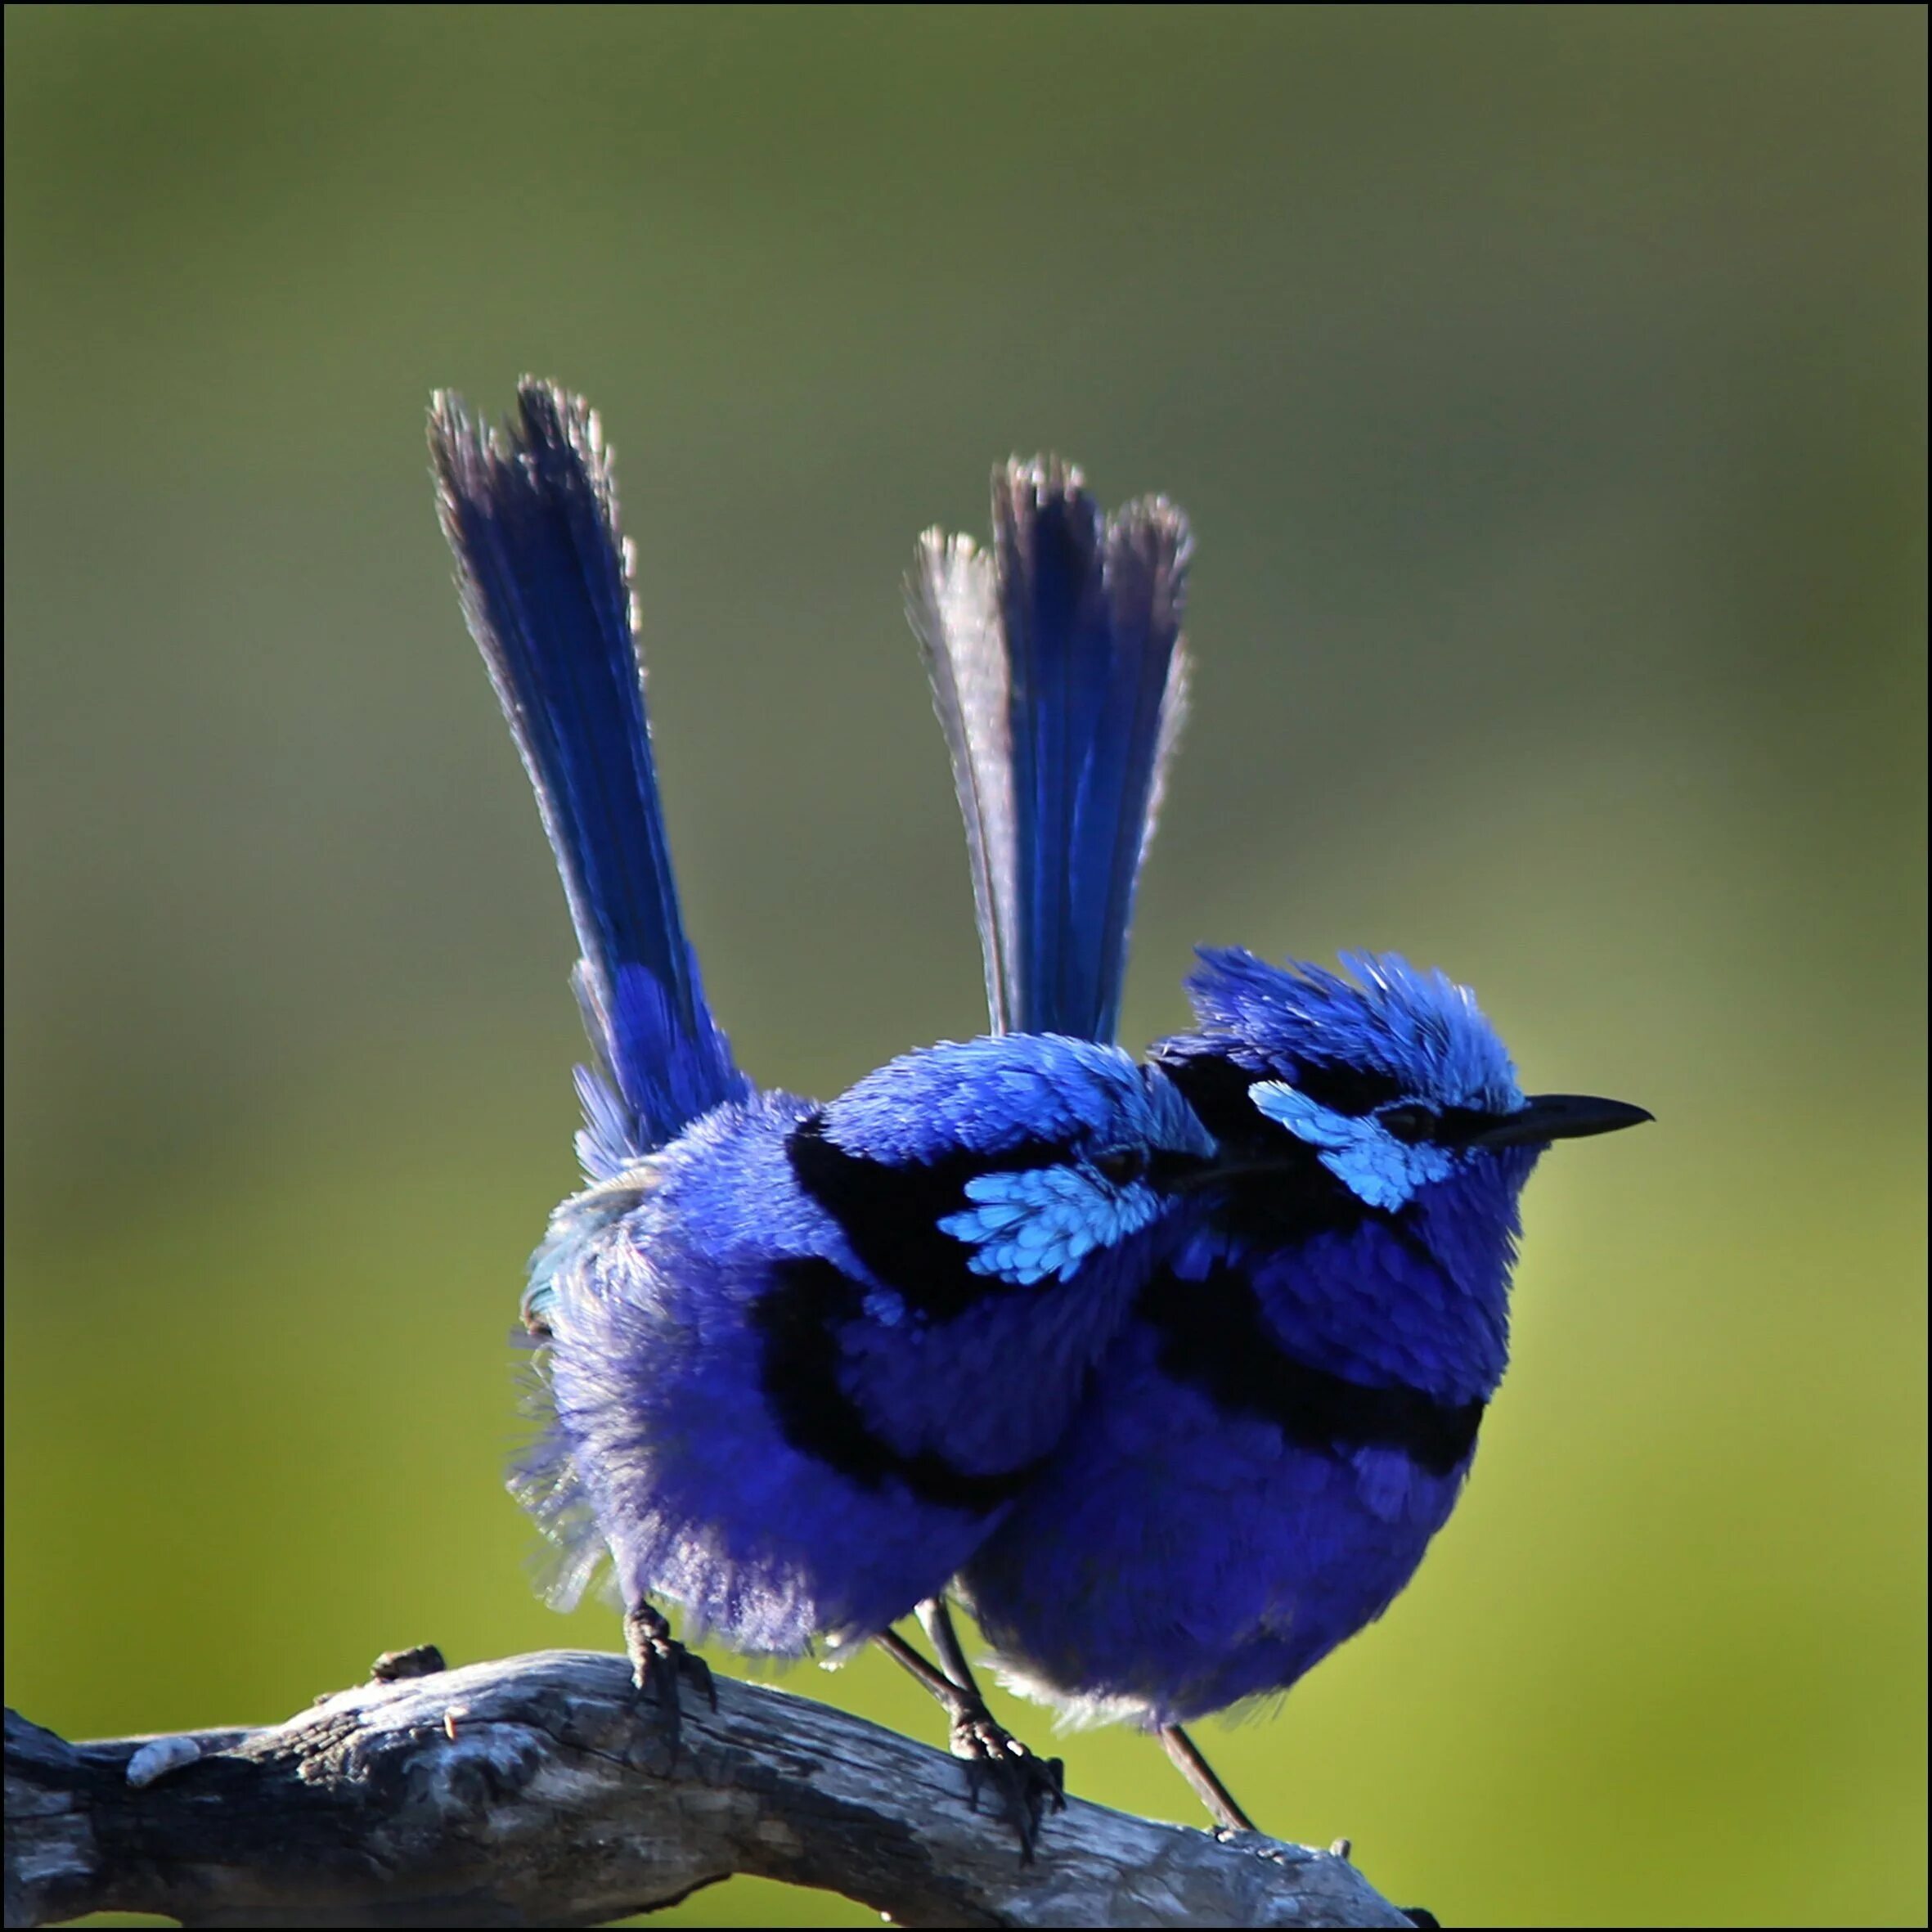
[538, 1791]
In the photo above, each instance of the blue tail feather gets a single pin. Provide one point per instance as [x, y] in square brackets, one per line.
[544, 576]
[1059, 674]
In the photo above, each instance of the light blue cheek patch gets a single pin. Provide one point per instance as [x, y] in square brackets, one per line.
[1042, 1221]
[1377, 1169]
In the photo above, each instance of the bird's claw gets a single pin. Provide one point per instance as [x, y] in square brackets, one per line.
[1026, 1782]
[658, 1662]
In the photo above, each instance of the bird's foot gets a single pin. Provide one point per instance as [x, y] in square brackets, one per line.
[659, 1661]
[1025, 1782]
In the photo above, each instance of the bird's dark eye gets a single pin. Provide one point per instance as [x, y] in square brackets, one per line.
[1410, 1122]
[1120, 1165]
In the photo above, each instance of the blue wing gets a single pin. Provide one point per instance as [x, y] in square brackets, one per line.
[532, 519]
[1059, 674]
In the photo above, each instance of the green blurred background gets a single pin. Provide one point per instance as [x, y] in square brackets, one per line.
[1546, 387]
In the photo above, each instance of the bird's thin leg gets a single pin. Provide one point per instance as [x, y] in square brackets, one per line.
[1026, 1782]
[1209, 1789]
[658, 1660]
[935, 1681]
[936, 1619]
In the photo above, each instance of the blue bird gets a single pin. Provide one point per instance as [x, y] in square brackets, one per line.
[1288, 1415]
[768, 1327]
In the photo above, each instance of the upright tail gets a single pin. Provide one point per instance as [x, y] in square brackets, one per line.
[1059, 674]
[544, 575]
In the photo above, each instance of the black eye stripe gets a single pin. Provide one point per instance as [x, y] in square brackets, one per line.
[1352, 1090]
[1167, 1171]
[1217, 1089]
[1415, 1122]
[1411, 1123]
[1122, 1164]
[1456, 1126]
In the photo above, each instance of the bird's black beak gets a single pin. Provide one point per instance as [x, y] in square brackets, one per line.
[1559, 1116]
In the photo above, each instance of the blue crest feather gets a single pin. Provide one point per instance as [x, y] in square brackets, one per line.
[1417, 1027]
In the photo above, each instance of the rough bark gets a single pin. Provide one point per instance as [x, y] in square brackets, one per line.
[538, 1791]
